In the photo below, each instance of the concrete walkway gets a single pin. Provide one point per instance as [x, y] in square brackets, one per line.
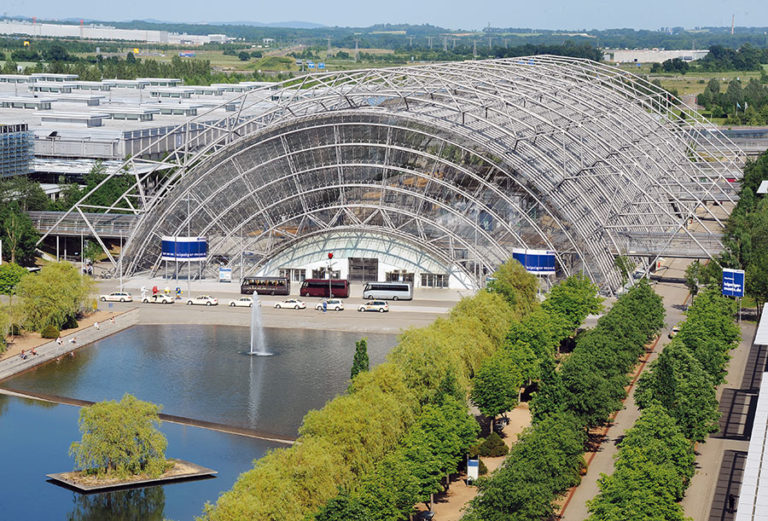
[51, 350]
[602, 462]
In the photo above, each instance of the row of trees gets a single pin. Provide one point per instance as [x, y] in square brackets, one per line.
[746, 240]
[582, 392]
[720, 58]
[52, 297]
[742, 105]
[403, 427]
[192, 71]
[679, 407]
[746, 234]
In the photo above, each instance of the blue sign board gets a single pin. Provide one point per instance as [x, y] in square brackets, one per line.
[185, 248]
[310, 65]
[539, 262]
[321, 65]
[733, 283]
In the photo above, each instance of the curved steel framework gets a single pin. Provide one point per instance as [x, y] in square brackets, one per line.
[464, 160]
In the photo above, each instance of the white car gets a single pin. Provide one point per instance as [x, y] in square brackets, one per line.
[203, 300]
[291, 303]
[374, 305]
[333, 304]
[242, 302]
[158, 298]
[117, 296]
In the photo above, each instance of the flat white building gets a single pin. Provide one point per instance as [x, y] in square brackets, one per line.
[651, 55]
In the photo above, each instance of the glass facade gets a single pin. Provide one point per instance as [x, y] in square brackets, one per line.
[16, 150]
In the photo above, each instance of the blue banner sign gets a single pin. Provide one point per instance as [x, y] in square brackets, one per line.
[193, 249]
[539, 262]
[733, 283]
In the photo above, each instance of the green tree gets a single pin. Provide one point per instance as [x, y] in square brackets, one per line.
[360, 362]
[542, 465]
[18, 234]
[625, 266]
[10, 275]
[517, 286]
[120, 439]
[53, 296]
[679, 383]
[574, 299]
[496, 386]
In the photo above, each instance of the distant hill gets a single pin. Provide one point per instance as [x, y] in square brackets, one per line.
[286, 25]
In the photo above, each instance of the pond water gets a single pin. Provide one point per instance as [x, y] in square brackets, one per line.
[196, 371]
[200, 372]
[34, 441]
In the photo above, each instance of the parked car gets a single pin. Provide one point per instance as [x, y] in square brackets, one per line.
[291, 303]
[374, 305]
[242, 302]
[117, 296]
[159, 298]
[203, 300]
[333, 304]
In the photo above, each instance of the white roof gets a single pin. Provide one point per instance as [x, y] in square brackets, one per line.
[761, 338]
[753, 497]
[763, 188]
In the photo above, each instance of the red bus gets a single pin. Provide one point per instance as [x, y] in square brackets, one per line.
[319, 288]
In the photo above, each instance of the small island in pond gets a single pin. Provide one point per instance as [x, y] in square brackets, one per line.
[121, 446]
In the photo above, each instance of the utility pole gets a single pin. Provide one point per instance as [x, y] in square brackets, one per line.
[429, 41]
[490, 42]
[445, 44]
[357, 50]
[474, 48]
[410, 42]
[328, 52]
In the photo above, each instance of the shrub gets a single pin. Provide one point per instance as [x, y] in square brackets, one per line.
[482, 469]
[49, 331]
[493, 446]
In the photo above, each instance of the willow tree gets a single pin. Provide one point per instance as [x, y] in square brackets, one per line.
[120, 439]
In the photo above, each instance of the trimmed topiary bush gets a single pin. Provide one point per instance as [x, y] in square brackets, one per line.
[49, 331]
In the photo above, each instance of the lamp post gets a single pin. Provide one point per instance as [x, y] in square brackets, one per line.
[330, 276]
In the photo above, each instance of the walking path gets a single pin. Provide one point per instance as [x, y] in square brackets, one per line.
[601, 462]
[450, 505]
[48, 350]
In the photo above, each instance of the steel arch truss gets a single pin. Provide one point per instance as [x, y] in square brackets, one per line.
[467, 160]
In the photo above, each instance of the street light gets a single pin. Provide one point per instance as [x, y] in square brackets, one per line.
[330, 265]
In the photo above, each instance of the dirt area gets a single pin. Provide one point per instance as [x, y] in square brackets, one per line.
[449, 505]
[179, 469]
[29, 340]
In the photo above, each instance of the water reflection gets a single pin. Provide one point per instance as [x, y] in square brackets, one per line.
[255, 384]
[145, 504]
[199, 372]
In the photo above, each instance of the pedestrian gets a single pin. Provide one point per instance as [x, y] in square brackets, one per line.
[34, 353]
[113, 320]
[731, 503]
[325, 306]
[97, 326]
[23, 355]
[73, 340]
[58, 340]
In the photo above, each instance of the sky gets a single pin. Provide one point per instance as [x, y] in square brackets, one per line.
[453, 14]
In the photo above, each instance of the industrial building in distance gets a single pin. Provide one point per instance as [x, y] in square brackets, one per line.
[106, 32]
